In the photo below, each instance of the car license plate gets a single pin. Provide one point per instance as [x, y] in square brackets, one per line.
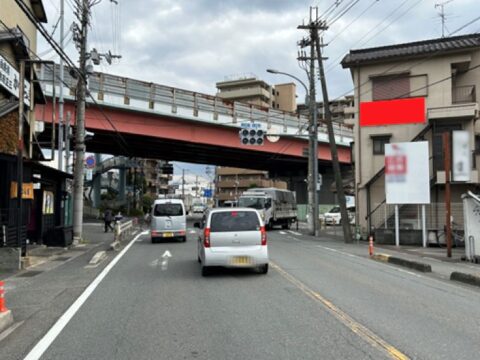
[168, 234]
[241, 260]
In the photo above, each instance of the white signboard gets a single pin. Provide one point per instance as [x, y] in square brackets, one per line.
[407, 175]
[461, 155]
[88, 174]
[471, 213]
[9, 78]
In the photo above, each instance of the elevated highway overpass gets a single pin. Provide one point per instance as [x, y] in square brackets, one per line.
[136, 118]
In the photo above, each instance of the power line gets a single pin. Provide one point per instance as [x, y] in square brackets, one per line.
[334, 62]
[354, 20]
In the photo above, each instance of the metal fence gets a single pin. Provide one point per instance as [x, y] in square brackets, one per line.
[410, 216]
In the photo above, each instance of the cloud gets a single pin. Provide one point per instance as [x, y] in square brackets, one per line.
[194, 44]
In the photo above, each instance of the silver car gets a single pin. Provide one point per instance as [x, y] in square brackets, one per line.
[232, 237]
[168, 220]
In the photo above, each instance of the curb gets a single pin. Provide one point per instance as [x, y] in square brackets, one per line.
[98, 257]
[6, 319]
[422, 267]
[465, 278]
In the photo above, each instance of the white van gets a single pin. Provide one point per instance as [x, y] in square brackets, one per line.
[168, 220]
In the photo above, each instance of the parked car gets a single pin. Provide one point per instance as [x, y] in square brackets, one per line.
[168, 220]
[232, 237]
[333, 216]
[198, 208]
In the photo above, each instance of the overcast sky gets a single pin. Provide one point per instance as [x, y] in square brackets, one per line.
[193, 44]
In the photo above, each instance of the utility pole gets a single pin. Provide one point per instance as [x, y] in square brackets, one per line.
[313, 127]
[447, 162]
[183, 184]
[67, 142]
[83, 8]
[314, 26]
[60, 98]
[196, 186]
[20, 145]
[78, 175]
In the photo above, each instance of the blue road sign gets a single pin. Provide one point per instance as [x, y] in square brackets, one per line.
[207, 193]
[90, 162]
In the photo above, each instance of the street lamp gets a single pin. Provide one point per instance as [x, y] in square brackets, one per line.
[312, 153]
[307, 96]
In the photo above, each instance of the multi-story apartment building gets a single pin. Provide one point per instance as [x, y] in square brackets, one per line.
[250, 89]
[156, 182]
[230, 183]
[444, 72]
[341, 109]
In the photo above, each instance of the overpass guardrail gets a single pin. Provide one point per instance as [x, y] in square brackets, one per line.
[121, 92]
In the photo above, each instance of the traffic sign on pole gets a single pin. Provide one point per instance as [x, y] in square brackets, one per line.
[90, 162]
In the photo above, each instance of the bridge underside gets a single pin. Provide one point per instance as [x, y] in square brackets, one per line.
[150, 147]
[138, 134]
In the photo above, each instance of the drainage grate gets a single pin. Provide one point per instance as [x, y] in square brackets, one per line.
[30, 273]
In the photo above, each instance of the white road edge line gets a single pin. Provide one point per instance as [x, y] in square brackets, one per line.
[57, 328]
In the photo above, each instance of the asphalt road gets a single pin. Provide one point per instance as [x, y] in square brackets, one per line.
[317, 302]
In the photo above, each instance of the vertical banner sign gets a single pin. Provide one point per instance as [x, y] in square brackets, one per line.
[461, 155]
[407, 174]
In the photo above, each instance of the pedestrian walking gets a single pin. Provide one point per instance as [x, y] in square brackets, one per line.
[108, 218]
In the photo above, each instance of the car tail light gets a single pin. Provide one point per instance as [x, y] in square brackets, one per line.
[206, 237]
[264, 235]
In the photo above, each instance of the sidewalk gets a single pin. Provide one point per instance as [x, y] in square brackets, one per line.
[39, 295]
[433, 257]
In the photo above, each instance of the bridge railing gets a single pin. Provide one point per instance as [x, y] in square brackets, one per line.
[116, 91]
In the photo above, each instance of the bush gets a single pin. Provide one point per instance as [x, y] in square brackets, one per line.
[135, 212]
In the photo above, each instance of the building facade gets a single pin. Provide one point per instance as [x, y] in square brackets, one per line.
[230, 182]
[41, 215]
[251, 90]
[445, 73]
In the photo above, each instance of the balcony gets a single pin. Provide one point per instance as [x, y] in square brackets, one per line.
[463, 94]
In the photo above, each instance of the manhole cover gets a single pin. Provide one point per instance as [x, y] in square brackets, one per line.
[29, 273]
[62, 258]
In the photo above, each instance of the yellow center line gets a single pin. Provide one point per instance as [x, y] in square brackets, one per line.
[344, 318]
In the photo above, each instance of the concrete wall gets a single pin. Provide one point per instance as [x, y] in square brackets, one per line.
[9, 259]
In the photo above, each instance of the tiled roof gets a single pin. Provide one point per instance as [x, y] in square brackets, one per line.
[413, 49]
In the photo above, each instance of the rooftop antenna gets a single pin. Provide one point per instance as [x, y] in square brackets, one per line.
[442, 13]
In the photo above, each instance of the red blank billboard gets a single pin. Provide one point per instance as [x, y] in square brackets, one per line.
[393, 112]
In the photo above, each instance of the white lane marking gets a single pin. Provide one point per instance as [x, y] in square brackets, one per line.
[408, 272]
[294, 232]
[337, 251]
[282, 232]
[192, 232]
[166, 255]
[57, 328]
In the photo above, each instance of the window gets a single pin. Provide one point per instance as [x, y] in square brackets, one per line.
[477, 144]
[379, 144]
[234, 221]
[168, 210]
[390, 87]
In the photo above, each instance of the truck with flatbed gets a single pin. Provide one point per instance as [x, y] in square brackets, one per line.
[276, 206]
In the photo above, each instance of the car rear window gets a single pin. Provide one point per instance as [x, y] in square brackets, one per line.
[234, 221]
[168, 210]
